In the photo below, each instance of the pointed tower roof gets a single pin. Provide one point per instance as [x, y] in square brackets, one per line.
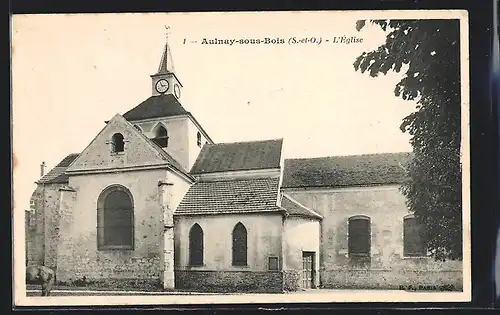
[166, 63]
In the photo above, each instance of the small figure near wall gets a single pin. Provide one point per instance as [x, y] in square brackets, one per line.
[41, 275]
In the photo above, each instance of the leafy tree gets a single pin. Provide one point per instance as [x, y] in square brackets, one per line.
[430, 51]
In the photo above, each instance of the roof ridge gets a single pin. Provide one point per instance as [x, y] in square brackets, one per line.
[238, 180]
[348, 155]
[248, 141]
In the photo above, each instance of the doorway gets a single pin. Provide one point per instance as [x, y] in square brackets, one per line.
[308, 263]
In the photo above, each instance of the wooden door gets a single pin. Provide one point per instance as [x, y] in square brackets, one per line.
[307, 270]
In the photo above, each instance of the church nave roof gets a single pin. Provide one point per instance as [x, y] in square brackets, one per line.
[346, 171]
[238, 156]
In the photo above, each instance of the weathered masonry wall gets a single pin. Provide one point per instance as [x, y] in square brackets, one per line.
[229, 281]
[300, 235]
[264, 232]
[78, 253]
[388, 269]
[43, 236]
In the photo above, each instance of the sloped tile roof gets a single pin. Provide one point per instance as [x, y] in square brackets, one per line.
[57, 175]
[345, 171]
[236, 196]
[251, 155]
[156, 106]
[294, 208]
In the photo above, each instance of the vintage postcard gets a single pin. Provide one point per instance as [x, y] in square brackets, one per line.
[246, 157]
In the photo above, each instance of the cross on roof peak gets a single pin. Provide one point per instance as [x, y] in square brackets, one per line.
[167, 31]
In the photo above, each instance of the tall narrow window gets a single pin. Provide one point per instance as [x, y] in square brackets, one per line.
[32, 215]
[239, 245]
[198, 139]
[359, 241]
[196, 245]
[161, 136]
[118, 143]
[115, 219]
[413, 243]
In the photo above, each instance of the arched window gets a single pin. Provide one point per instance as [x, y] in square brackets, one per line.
[115, 219]
[239, 245]
[161, 136]
[413, 243]
[359, 232]
[198, 139]
[196, 245]
[118, 143]
[138, 128]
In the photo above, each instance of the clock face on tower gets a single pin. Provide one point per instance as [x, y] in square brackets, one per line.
[177, 91]
[161, 86]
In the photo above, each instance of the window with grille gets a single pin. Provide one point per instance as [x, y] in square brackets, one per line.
[196, 245]
[359, 236]
[413, 241]
[239, 245]
[115, 219]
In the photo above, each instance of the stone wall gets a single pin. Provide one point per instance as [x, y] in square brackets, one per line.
[192, 140]
[300, 235]
[82, 258]
[291, 280]
[42, 239]
[388, 267]
[177, 129]
[264, 239]
[393, 279]
[229, 281]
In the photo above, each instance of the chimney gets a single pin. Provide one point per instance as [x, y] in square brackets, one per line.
[42, 169]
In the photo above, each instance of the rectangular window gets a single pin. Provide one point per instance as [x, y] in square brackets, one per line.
[413, 238]
[273, 263]
[359, 241]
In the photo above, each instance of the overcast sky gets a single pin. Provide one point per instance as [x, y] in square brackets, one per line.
[73, 72]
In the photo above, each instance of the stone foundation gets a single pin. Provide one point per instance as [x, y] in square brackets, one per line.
[390, 279]
[113, 283]
[291, 280]
[110, 266]
[229, 281]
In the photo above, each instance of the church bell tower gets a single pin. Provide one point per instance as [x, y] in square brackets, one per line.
[164, 81]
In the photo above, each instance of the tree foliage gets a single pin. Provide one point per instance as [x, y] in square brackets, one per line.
[430, 51]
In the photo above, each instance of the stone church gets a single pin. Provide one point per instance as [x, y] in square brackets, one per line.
[153, 200]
